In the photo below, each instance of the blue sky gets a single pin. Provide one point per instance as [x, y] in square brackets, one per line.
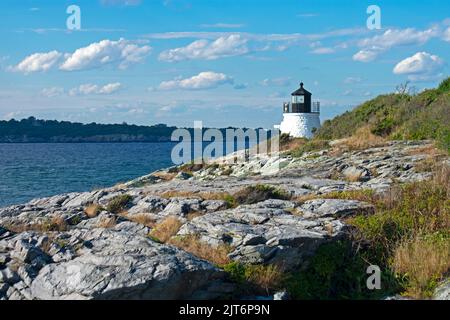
[227, 63]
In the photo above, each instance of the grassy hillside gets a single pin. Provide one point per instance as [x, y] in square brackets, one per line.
[398, 116]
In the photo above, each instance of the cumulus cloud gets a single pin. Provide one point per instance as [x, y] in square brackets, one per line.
[421, 66]
[204, 80]
[38, 62]
[88, 88]
[365, 55]
[227, 46]
[121, 53]
[374, 46]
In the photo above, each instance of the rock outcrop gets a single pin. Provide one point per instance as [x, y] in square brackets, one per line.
[52, 249]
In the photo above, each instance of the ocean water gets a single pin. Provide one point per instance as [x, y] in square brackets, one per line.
[29, 171]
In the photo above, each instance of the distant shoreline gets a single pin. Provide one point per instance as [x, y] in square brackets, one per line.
[32, 130]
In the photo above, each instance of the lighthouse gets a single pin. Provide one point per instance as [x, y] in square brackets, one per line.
[301, 116]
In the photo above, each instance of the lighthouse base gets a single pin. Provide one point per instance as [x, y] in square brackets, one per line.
[300, 125]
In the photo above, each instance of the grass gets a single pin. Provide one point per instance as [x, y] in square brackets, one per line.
[408, 236]
[107, 222]
[119, 203]
[422, 261]
[399, 232]
[258, 193]
[46, 225]
[256, 278]
[166, 229]
[192, 243]
[289, 143]
[336, 271]
[362, 139]
[93, 210]
[397, 117]
[142, 218]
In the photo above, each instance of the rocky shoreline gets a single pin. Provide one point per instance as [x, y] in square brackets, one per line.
[56, 248]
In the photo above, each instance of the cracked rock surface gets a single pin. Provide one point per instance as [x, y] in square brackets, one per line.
[51, 249]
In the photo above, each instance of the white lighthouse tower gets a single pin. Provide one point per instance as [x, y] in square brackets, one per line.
[301, 116]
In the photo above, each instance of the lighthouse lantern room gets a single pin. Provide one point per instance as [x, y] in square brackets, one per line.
[301, 116]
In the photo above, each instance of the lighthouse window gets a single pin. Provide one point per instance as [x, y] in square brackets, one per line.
[298, 99]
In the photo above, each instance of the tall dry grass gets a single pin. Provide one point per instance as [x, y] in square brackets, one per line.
[362, 139]
[166, 229]
[424, 262]
[191, 243]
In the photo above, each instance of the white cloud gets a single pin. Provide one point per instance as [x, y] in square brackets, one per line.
[421, 66]
[110, 88]
[121, 52]
[52, 92]
[365, 55]
[446, 36]
[204, 80]
[397, 37]
[278, 82]
[232, 45]
[38, 62]
[323, 50]
[88, 88]
[373, 46]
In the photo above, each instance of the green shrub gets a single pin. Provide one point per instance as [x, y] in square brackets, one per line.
[258, 193]
[119, 203]
[255, 278]
[337, 271]
[422, 116]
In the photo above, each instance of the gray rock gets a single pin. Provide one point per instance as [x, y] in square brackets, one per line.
[282, 295]
[443, 291]
[214, 205]
[266, 232]
[83, 199]
[121, 265]
[27, 251]
[88, 262]
[149, 204]
[334, 207]
[181, 207]
[8, 276]
[359, 173]
[183, 176]
[3, 288]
